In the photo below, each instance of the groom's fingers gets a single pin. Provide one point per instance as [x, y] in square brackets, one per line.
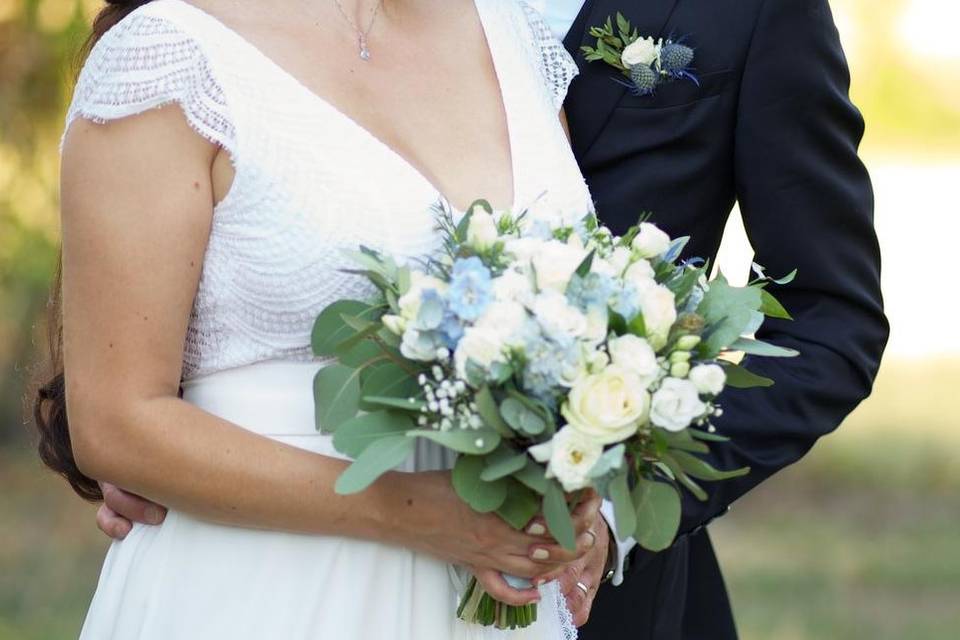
[555, 554]
[130, 506]
[112, 524]
[493, 583]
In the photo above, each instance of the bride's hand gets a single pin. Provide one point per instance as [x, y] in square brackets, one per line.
[441, 524]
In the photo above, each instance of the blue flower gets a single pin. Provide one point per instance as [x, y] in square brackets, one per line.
[546, 362]
[470, 288]
[626, 301]
[591, 291]
[432, 310]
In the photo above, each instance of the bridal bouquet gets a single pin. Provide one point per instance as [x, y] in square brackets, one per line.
[551, 357]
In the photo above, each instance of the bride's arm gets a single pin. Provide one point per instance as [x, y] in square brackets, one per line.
[137, 205]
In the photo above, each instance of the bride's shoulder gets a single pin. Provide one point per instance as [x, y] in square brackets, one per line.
[157, 54]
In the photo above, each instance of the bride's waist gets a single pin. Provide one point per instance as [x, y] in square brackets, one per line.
[273, 397]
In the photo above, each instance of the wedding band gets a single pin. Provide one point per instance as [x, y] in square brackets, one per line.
[593, 538]
[584, 588]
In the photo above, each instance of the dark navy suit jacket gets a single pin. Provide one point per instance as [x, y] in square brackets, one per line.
[771, 126]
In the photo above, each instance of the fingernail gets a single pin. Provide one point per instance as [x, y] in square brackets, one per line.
[537, 582]
[536, 529]
[153, 515]
[540, 554]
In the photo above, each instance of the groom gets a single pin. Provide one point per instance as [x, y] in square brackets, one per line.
[769, 125]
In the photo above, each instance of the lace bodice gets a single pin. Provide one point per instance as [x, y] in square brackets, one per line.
[304, 170]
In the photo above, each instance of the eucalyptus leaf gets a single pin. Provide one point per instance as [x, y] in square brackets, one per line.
[739, 377]
[472, 441]
[482, 496]
[378, 458]
[771, 307]
[330, 330]
[760, 348]
[523, 419]
[703, 470]
[404, 404]
[677, 473]
[557, 515]
[520, 505]
[503, 462]
[355, 435]
[336, 394]
[490, 413]
[623, 509]
[658, 514]
[611, 460]
[390, 380]
[533, 477]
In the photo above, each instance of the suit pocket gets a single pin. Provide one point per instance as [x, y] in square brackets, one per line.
[680, 92]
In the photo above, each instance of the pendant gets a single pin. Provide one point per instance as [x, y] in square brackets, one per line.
[364, 51]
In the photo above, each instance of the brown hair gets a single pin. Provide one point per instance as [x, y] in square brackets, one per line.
[50, 404]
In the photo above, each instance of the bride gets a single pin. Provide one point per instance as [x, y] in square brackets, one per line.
[218, 157]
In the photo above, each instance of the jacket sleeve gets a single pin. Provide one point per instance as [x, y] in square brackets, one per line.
[807, 203]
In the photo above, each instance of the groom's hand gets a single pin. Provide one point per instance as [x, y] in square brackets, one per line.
[580, 579]
[120, 510]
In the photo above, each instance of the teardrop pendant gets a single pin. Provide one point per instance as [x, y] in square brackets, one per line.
[364, 51]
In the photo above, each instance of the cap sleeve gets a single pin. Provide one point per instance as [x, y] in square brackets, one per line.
[556, 65]
[147, 61]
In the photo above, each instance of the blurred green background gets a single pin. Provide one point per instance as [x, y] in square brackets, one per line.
[859, 540]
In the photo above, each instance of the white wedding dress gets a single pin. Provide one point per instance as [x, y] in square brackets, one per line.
[309, 182]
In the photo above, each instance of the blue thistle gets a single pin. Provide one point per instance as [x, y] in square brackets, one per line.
[675, 57]
[644, 79]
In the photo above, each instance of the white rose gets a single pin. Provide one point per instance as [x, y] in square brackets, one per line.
[635, 354]
[522, 249]
[608, 406]
[619, 258]
[641, 51]
[658, 306]
[409, 302]
[708, 378]
[555, 263]
[557, 316]
[569, 456]
[480, 345]
[640, 274]
[596, 359]
[651, 241]
[603, 267]
[598, 325]
[513, 286]
[482, 230]
[676, 404]
[394, 324]
[506, 319]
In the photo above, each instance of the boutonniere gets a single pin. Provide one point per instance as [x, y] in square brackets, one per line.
[648, 63]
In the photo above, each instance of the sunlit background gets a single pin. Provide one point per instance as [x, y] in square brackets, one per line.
[859, 540]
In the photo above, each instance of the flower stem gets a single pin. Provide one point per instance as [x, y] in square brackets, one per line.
[479, 607]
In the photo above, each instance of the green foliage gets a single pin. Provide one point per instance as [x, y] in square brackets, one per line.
[355, 435]
[378, 457]
[482, 495]
[336, 394]
[557, 515]
[657, 507]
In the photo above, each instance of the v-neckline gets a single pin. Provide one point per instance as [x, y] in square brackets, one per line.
[376, 140]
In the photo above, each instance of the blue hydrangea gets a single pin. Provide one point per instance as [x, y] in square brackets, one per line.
[471, 289]
[451, 329]
[626, 301]
[546, 361]
[591, 291]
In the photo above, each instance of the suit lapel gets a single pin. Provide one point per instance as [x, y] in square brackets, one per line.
[594, 94]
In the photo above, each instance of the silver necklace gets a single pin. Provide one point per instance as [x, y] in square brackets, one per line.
[361, 33]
